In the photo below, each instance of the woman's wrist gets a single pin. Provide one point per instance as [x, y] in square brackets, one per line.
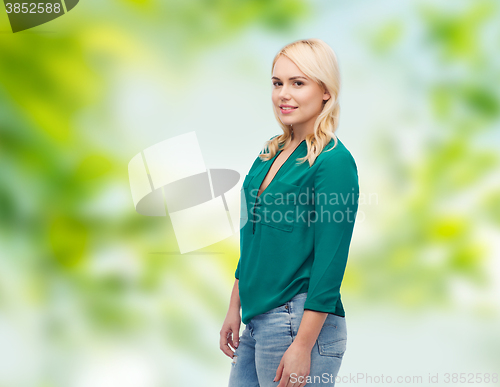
[304, 345]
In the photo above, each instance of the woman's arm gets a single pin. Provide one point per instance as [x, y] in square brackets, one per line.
[230, 331]
[234, 303]
[336, 192]
[296, 360]
[309, 329]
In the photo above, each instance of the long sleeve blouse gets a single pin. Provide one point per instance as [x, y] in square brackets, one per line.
[295, 236]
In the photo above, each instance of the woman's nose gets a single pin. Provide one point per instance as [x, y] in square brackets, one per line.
[284, 93]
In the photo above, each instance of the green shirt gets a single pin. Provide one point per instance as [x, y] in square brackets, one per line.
[295, 236]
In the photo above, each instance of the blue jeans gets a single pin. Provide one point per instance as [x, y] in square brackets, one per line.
[267, 336]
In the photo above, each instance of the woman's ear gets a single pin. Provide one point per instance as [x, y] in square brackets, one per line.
[326, 96]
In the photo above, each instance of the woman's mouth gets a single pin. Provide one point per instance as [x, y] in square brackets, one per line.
[287, 109]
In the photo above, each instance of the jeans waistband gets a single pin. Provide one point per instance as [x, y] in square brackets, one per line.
[298, 298]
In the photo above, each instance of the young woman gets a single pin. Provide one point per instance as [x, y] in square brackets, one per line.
[301, 197]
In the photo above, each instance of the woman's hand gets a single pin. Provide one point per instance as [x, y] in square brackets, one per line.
[295, 365]
[230, 332]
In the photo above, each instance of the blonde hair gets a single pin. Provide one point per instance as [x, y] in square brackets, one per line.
[318, 61]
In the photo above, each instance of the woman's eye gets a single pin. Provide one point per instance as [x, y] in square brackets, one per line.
[279, 83]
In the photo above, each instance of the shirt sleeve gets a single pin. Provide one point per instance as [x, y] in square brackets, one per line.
[336, 194]
[237, 272]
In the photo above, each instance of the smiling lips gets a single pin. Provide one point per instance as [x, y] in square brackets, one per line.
[285, 109]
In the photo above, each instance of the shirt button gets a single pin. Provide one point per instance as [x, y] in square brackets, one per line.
[286, 306]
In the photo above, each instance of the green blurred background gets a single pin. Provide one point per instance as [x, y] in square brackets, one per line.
[94, 294]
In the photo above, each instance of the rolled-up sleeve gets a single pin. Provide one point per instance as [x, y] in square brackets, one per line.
[336, 194]
[237, 272]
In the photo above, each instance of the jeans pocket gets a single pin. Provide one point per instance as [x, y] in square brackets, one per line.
[331, 341]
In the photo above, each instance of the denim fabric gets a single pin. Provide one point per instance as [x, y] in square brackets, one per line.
[268, 335]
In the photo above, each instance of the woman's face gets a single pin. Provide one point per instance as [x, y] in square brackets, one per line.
[291, 87]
